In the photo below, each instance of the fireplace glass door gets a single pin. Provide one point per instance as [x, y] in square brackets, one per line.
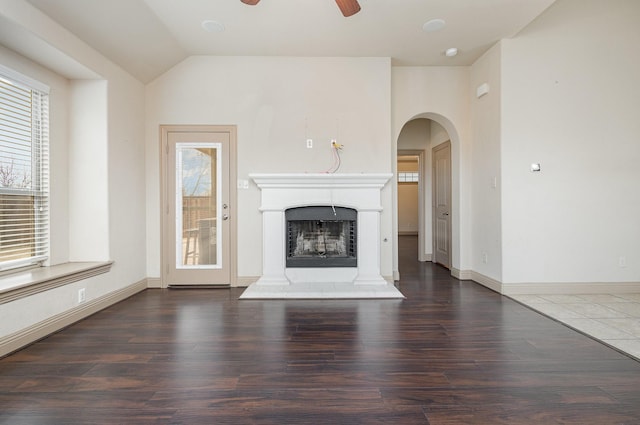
[321, 236]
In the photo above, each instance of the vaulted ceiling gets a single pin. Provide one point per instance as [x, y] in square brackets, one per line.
[148, 37]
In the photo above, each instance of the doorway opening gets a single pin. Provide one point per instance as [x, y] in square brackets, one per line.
[417, 144]
[198, 205]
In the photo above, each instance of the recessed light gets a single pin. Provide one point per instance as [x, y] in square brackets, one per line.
[212, 26]
[433, 25]
[451, 52]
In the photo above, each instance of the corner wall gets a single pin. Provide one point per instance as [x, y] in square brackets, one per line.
[37, 46]
[486, 218]
[571, 100]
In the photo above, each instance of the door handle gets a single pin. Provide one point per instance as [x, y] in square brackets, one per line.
[225, 216]
[446, 213]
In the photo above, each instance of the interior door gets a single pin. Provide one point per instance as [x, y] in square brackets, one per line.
[197, 205]
[442, 204]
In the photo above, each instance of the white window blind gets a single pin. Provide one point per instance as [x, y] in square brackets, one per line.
[24, 171]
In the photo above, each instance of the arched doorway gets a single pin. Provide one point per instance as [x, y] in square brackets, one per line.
[417, 138]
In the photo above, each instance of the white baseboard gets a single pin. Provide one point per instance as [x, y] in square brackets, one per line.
[549, 288]
[154, 282]
[241, 281]
[244, 281]
[461, 274]
[568, 288]
[488, 282]
[33, 333]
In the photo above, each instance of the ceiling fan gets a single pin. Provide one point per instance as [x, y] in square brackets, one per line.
[347, 7]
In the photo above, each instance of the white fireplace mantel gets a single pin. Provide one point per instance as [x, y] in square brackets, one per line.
[361, 192]
[323, 180]
[358, 191]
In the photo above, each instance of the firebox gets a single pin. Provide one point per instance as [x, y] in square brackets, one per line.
[321, 236]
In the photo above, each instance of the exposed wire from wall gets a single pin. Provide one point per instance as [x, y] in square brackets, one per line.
[337, 161]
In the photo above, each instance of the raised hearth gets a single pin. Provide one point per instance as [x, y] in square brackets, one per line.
[359, 192]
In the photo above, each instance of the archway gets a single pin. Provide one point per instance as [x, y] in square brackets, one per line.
[418, 136]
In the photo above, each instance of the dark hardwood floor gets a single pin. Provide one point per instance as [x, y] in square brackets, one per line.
[452, 353]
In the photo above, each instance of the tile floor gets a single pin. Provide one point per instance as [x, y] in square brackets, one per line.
[612, 319]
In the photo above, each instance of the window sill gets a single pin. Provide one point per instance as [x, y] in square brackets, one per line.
[33, 281]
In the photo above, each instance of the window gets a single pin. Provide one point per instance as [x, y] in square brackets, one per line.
[24, 170]
[408, 177]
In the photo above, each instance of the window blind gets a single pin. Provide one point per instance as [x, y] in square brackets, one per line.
[24, 174]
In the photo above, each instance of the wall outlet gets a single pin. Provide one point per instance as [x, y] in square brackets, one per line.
[82, 296]
[622, 262]
[485, 257]
[309, 143]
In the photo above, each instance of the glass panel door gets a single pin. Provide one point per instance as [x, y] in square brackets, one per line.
[198, 206]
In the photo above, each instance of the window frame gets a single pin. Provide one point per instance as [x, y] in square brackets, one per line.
[39, 190]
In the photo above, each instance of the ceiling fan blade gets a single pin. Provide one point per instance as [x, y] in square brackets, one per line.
[250, 2]
[348, 7]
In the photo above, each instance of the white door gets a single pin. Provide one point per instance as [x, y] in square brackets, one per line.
[197, 205]
[442, 204]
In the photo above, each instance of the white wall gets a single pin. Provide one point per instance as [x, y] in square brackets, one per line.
[486, 217]
[442, 95]
[571, 102]
[276, 104]
[87, 159]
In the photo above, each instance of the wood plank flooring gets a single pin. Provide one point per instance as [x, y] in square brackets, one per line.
[452, 353]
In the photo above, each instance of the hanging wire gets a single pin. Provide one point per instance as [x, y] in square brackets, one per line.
[337, 161]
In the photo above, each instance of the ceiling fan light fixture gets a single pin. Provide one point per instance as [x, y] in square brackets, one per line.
[451, 52]
[212, 26]
[348, 7]
[250, 2]
[433, 25]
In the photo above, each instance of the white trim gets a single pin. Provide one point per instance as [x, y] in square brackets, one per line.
[570, 288]
[244, 281]
[559, 288]
[24, 80]
[488, 282]
[34, 280]
[461, 274]
[479, 278]
[426, 257]
[33, 333]
[154, 282]
[320, 180]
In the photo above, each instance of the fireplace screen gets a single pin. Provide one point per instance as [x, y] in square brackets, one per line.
[321, 236]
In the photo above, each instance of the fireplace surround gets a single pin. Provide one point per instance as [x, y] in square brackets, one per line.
[360, 193]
